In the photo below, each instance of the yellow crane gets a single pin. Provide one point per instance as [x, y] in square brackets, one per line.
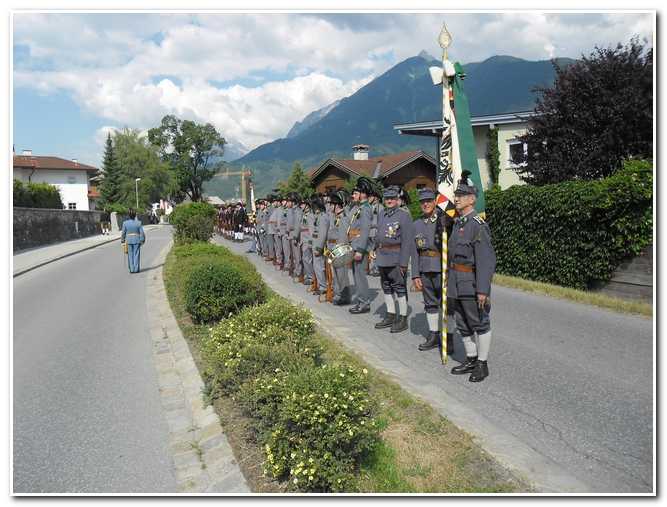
[244, 174]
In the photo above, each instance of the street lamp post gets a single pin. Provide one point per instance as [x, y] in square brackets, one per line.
[136, 189]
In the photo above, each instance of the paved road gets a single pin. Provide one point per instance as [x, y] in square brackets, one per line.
[561, 403]
[569, 403]
[106, 397]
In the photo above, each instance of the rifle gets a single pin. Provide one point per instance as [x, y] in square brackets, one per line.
[291, 259]
[329, 294]
[301, 276]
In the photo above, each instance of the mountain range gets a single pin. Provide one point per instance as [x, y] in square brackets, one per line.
[403, 94]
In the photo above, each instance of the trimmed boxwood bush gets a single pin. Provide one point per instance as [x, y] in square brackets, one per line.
[193, 222]
[217, 289]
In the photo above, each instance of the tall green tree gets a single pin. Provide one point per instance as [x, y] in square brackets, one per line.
[191, 151]
[298, 182]
[112, 177]
[599, 113]
[138, 158]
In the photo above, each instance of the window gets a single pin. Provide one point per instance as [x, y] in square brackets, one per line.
[331, 188]
[71, 205]
[515, 148]
[421, 185]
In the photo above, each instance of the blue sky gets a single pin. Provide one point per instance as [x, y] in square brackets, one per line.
[77, 75]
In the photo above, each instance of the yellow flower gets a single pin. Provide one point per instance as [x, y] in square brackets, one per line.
[296, 481]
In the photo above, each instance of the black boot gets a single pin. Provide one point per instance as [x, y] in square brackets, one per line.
[466, 367]
[450, 344]
[401, 324]
[432, 341]
[480, 373]
[387, 322]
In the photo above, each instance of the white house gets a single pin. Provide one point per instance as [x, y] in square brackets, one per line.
[70, 177]
[510, 126]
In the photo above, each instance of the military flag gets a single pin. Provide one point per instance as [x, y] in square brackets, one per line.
[457, 153]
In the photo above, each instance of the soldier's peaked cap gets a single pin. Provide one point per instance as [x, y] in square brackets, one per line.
[466, 185]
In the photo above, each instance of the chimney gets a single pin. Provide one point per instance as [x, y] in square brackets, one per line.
[360, 152]
[75, 161]
[27, 153]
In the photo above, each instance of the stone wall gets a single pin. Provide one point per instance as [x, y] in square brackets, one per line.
[35, 227]
[633, 280]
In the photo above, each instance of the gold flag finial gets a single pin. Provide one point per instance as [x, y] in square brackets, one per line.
[444, 39]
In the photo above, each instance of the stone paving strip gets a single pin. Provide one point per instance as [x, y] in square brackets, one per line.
[203, 458]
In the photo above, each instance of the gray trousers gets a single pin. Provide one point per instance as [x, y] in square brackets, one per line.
[320, 269]
[341, 283]
[361, 281]
[286, 249]
[296, 253]
[307, 256]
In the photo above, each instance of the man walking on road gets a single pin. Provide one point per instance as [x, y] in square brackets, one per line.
[472, 262]
[132, 235]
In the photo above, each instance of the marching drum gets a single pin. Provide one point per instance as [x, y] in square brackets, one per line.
[340, 255]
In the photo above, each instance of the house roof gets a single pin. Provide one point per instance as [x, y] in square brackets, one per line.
[377, 167]
[433, 128]
[53, 163]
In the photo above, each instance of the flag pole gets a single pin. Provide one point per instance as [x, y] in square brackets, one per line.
[445, 177]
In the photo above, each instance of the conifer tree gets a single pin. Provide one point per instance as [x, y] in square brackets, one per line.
[112, 179]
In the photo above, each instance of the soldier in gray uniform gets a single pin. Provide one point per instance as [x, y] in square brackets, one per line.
[280, 229]
[358, 234]
[295, 235]
[427, 264]
[393, 246]
[337, 235]
[287, 229]
[376, 205]
[472, 262]
[321, 227]
[272, 228]
[306, 241]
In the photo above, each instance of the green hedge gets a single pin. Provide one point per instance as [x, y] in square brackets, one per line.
[36, 195]
[193, 222]
[572, 234]
[214, 282]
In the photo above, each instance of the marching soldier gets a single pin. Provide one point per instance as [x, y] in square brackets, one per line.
[358, 234]
[337, 230]
[472, 262]
[392, 255]
[427, 265]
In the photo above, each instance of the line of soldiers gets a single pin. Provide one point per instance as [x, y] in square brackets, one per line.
[233, 221]
[372, 229]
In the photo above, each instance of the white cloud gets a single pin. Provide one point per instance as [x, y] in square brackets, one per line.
[253, 75]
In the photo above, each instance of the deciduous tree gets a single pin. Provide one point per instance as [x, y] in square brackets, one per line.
[190, 150]
[599, 113]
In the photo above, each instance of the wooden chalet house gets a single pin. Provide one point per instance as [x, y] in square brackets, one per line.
[415, 169]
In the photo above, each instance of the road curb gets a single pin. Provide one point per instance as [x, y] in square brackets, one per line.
[204, 461]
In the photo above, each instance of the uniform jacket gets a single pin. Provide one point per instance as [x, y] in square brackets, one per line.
[394, 229]
[297, 217]
[360, 220]
[321, 225]
[307, 227]
[271, 221]
[338, 229]
[132, 232]
[428, 238]
[470, 246]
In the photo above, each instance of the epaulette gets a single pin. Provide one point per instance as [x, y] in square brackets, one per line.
[479, 220]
